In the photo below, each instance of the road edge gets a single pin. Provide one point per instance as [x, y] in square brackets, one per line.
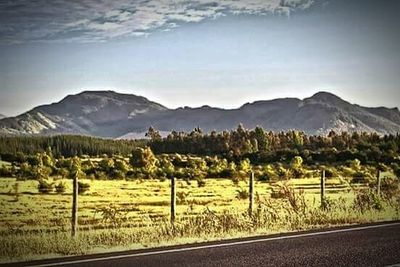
[76, 259]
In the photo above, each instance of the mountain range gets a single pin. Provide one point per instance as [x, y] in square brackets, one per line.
[115, 115]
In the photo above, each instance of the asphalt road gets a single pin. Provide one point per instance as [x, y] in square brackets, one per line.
[366, 245]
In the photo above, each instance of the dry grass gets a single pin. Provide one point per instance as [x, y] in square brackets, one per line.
[134, 214]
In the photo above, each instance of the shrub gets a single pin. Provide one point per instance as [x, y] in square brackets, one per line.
[390, 188]
[5, 171]
[277, 194]
[282, 172]
[117, 174]
[354, 164]
[396, 169]
[328, 204]
[112, 215]
[60, 187]
[331, 172]
[201, 182]
[367, 200]
[45, 187]
[297, 167]
[295, 199]
[242, 194]
[181, 197]
[361, 177]
[226, 173]
[83, 187]
[298, 173]
[143, 158]
[100, 175]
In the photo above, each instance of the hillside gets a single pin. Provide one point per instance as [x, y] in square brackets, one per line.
[84, 113]
[110, 114]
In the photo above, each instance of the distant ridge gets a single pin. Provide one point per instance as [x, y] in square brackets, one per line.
[111, 114]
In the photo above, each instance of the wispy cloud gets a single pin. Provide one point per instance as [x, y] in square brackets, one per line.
[101, 20]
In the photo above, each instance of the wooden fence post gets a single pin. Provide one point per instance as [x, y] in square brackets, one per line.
[378, 177]
[251, 193]
[173, 199]
[323, 189]
[74, 220]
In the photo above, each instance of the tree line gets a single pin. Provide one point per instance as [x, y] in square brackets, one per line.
[263, 147]
[15, 148]
[258, 145]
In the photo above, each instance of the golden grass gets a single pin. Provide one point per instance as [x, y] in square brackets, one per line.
[33, 225]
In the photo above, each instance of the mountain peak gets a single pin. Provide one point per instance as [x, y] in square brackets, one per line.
[105, 93]
[102, 93]
[100, 98]
[323, 95]
[328, 98]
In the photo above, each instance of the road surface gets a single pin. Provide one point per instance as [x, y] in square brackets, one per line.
[366, 245]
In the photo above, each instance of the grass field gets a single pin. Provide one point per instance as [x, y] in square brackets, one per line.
[137, 200]
[132, 214]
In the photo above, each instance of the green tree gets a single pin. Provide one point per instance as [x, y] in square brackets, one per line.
[153, 134]
[143, 158]
[76, 168]
[260, 136]
[297, 162]
[107, 165]
[121, 165]
[244, 169]
[297, 167]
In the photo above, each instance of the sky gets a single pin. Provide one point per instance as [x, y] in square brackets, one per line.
[199, 52]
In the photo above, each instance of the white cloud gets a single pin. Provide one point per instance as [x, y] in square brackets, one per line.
[106, 26]
[102, 20]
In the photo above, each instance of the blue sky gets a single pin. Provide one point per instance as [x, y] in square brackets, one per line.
[191, 53]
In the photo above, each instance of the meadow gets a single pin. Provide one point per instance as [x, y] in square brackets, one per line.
[121, 214]
[127, 201]
[134, 200]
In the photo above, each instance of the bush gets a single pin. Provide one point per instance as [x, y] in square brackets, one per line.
[201, 182]
[390, 188]
[396, 169]
[296, 200]
[277, 194]
[361, 177]
[112, 215]
[298, 173]
[242, 194]
[181, 197]
[328, 204]
[367, 200]
[331, 173]
[60, 187]
[83, 187]
[45, 187]
[282, 172]
[5, 171]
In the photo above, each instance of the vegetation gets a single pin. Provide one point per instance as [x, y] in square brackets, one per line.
[125, 196]
[61, 187]
[263, 147]
[134, 214]
[45, 187]
[16, 148]
[83, 187]
[257, 145]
